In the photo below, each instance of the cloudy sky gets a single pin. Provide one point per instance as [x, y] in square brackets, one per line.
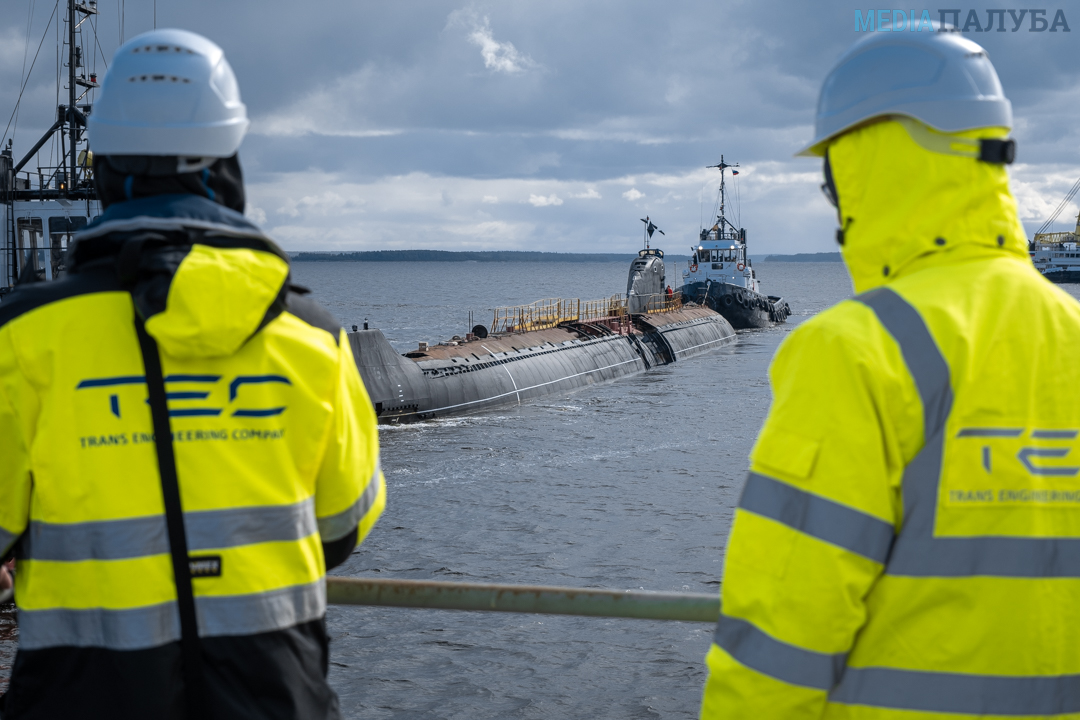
[548, 125]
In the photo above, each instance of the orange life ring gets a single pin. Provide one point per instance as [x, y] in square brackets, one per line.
[741, 266]
[693, 268]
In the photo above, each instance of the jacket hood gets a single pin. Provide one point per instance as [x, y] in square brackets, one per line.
[203, 278]
[903, 207]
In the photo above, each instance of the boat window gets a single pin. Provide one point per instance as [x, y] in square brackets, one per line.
[30, 248]
[60, 231]
[703, 256]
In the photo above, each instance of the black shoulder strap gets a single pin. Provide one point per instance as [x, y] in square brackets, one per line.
[190, 647]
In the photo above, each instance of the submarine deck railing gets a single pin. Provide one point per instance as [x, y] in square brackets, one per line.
[548, 313]
[541, 599]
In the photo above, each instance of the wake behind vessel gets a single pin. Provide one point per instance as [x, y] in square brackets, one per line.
[550, 346]
[722, 277]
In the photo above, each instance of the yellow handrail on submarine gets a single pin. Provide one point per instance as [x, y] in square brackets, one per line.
[548, 313]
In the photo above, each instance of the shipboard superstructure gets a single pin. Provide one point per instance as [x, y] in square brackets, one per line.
[722, 277]
[1057, 255]
[42, 206]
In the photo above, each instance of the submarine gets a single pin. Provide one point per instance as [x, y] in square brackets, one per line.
[550, 347]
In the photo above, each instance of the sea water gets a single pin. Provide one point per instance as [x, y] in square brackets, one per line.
[625, 485]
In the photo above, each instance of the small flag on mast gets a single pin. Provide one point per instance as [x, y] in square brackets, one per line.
[650, 227]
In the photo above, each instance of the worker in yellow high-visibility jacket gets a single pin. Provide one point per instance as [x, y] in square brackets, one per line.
[907, 544]
[262, 423]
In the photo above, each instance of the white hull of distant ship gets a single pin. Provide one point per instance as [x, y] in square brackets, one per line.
[41, 208]
[1057, 255]
[722, 277]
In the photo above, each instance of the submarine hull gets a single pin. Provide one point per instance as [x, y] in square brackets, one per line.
[742, 307]
[510, 368]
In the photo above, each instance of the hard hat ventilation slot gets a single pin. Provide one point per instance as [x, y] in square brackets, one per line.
[163, 48]
[158, 78]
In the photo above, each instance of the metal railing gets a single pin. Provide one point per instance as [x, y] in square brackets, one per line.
[659, 302]
[542, 599]
[612, 307]
[548, 313]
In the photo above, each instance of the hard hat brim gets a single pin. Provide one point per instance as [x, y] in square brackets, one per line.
[113, 138]
[954, 116]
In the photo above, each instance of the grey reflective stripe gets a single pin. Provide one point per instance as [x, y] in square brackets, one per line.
[819, 517]
[761, 652]
[128, 629]
[145, 536]
[211, 529]
[154, 625]
[102, 540]
[921, 354]
[960, 693]
[335, 527]
[921, 476]
[261, 612]
[7, 539]
[1015, 557]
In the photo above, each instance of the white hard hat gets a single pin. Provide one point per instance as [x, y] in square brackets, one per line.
[168, 92]
[939, 77]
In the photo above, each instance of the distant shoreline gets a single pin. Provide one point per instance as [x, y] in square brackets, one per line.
[451, 256]
[514, 256]
[806, 257]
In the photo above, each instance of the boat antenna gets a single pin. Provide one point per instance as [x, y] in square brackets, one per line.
[722, 166]
[650, 228]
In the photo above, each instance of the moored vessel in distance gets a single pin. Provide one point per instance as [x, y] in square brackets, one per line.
[1057, 255]
[40, 210]
[722, 277]
[550, 346]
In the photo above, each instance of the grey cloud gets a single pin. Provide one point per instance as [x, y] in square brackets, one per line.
[354, 101]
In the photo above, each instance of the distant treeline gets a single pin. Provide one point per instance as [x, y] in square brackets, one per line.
[805, 257]
[449, 256]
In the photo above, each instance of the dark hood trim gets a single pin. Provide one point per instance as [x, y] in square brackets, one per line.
[175, 212]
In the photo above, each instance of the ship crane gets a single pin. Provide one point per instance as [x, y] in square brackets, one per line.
[1056, 238]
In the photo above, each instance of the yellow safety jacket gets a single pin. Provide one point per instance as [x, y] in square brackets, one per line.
[276, 451]
[907, 544]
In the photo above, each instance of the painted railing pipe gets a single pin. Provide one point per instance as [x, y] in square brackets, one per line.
[543, 599]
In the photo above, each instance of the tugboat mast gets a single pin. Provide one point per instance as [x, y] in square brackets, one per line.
[722, 166]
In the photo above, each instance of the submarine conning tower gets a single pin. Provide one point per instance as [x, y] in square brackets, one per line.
[646, 282]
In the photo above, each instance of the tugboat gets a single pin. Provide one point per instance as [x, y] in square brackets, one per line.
[722, 277]
[41, 209]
